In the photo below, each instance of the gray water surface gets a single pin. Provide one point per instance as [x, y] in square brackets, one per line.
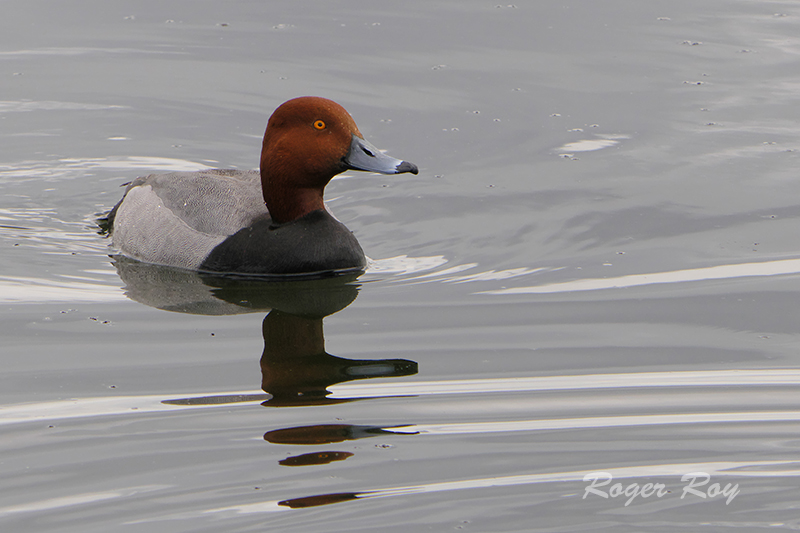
[597, 270]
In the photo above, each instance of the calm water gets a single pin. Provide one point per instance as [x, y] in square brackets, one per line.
[597, 270]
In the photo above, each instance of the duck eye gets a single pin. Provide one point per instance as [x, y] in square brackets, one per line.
[320, 125]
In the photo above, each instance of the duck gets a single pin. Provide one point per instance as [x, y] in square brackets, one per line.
[271, 221]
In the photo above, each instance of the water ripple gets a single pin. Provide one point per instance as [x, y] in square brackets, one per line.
[720, 468]
[741, 270]
[120, 405]
[76, 168]
[33, 290]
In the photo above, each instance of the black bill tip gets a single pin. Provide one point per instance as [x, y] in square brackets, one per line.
[405, 166]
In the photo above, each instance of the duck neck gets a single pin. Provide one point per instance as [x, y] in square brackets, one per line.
[287, 203]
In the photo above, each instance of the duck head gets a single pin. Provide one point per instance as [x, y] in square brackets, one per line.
[308, 141]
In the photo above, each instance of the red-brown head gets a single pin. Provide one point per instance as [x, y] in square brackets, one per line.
[308, 141]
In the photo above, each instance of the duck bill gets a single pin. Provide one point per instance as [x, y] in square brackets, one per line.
[364, 156]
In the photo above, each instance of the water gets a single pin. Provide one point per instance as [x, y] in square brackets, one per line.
[595, 271]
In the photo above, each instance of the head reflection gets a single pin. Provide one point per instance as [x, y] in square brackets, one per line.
[296, 369]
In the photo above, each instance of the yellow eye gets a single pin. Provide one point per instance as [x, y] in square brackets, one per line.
[320, 125]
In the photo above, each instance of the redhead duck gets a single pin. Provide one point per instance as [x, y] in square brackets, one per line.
[232, 221]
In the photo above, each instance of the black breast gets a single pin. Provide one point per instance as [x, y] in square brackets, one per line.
[316, 242]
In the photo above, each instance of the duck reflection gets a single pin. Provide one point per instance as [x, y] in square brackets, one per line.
[324, 434]
[315, 458]
[295, 368]
[322, 499]
[327, 434]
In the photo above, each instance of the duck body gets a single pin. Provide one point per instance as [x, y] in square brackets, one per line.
[250, 222]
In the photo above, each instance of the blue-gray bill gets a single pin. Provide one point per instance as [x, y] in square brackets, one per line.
[364, 156]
